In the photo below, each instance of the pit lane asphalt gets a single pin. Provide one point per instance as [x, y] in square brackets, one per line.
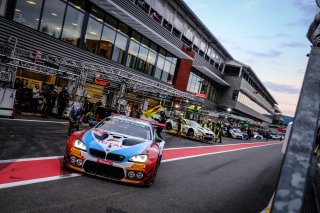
[241, 181]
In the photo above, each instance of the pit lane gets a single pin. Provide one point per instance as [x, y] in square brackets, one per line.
[199, 184]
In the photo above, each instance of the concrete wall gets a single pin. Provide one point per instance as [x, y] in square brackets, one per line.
[226, 96]
[245, 86]
[237, 83]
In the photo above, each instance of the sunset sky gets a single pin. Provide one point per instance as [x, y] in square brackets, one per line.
[267, 35]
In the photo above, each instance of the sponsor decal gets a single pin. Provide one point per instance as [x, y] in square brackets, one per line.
[149, 113]
[102, 82]
[76, 152]
[106, 162]
[139, 165]
[200, 95]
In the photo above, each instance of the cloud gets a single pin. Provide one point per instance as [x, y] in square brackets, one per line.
[270, 36]
[301, 70]
[269, 54]
[293, 44]
[276, 63]
[308, 8]
[250, 4]
[282, 88]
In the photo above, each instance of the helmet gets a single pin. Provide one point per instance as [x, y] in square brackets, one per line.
[88, 97]
[162, 112]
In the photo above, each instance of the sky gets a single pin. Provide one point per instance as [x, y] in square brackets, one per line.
[267, 35]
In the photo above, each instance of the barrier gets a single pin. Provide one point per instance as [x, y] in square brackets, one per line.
[7, 97]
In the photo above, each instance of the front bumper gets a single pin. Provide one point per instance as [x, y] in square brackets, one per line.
[83, 162]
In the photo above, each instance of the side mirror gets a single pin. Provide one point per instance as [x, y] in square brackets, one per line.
[158, 140]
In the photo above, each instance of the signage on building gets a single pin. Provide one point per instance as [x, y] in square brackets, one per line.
[200, 95]
[102, 82]
[5, 76]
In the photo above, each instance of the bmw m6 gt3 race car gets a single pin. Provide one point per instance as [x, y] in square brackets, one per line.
[192, 129]
[237, 134]
[117, 148]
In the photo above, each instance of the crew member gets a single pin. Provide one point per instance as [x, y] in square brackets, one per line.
[219, 129]
[62, 101]
[161, 120]
[180, 122]
[75, 118]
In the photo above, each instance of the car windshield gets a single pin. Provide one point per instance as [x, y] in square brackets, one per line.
[237, 130]
[126, 127]
[193, 123]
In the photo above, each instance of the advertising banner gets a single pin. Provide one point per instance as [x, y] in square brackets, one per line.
[151, 112]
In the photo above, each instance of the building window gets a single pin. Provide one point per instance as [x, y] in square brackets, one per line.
[172, 70]
[3, 4]
[235, 94]
[79, 4]
[176, 32]
[156, 16]
[72, 26]
[123, 28]
[93, 35]
[143, 5]
[28, 13]
[111, 21]
[186, 40]
[167, 25]
[52, 17]
[119, 49]
[201, 53]
[232, 70]
[151, 61]
[142, 59]
[166, 71]
[159, 67]
[132, 54]
[107, 41]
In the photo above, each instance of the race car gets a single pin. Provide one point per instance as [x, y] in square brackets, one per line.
[192, 129]
[237, 134]
[257, 136]
[117, 148]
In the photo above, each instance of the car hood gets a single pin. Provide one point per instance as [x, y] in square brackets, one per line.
[112, 142]
[204, 130]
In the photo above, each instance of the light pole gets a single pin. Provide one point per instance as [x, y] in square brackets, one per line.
[228, 112]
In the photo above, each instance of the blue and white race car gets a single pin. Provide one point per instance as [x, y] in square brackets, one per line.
[118, 148]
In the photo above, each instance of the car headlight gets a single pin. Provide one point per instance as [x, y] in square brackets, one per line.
[199, 132]
[80, 145]
[139, 158]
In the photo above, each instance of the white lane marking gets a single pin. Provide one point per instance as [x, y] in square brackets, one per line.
[58, 157]
[39, 180]
[200, 155]
[29, 159]
[192, 147]
[40, 121]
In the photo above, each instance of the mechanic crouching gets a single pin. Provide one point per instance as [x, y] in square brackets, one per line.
[75, 119]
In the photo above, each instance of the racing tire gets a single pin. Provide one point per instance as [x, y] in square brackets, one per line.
[190, 133]
[154, 176]
[159, 161]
